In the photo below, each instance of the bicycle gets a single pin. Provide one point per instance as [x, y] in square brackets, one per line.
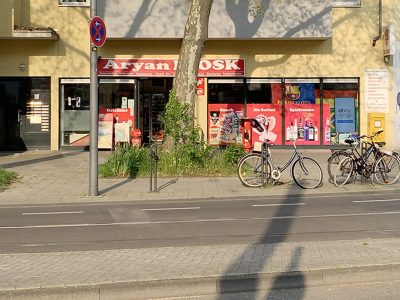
[336, 157]
[375, 163]
[259, 169]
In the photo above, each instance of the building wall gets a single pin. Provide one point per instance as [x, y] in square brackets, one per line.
[347, 54]
[228, 19]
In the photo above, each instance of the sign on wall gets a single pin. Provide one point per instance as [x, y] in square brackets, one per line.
[376, 91]
[167, 67]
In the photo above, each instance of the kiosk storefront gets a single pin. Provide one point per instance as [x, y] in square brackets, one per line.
[151, 81]
[133, 92]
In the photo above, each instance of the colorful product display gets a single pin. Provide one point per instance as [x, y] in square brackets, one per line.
[302, 122]
[107, 118]
[270, 118]
[224, 124]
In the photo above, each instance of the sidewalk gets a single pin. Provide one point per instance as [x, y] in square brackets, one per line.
[143, 273]
[63, 177]
[153, 273]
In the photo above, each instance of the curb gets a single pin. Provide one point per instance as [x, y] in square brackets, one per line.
[212, 285]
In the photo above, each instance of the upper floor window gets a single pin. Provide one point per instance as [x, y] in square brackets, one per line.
[346, 3]
[74, 2]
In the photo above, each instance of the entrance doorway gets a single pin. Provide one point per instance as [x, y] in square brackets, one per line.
[24, 113]
[153, 96]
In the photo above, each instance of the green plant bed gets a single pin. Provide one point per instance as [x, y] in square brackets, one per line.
[128, 161]
[183, 153]
[6, 179]
[125, 161]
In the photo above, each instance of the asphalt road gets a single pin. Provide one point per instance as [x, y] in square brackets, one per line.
[199, 222]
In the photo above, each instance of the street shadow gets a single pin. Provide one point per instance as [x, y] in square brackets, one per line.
[297, 279]
[275, 233]
[167, 184]
[117, 185]
[37, 160]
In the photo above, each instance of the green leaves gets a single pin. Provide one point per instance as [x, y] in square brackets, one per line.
[6, 178]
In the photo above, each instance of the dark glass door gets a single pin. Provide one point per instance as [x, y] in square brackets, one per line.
[24, 113]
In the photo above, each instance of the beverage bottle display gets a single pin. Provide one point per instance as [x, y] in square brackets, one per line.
[311, 132]
[306, 128]
[316, 133]
[327, 131]
[294, 131]
[289, 132]
[300, 130]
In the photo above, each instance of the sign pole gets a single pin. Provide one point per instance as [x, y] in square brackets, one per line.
[94, 115]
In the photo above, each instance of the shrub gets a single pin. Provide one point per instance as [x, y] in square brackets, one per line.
[125, 161]
[233, 153]
[6, 178]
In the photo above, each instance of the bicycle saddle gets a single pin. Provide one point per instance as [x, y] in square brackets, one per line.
[350, 141]
[381, 144]
[255, 124]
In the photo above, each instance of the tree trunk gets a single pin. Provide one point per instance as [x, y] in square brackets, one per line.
[196, 33]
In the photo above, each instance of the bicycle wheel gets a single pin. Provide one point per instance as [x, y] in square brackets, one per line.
[344, 171]
[333, 162]
[307, 173]
[250, 170]
[387, 169]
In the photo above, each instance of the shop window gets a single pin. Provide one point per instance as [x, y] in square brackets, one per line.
[225, 109]
[115, 93]
[264, 103]
[226, 91]
[302, 111]
[75, 112]
[116, 111]
[341, 119]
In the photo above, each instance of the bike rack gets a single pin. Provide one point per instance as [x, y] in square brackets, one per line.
[264, 153]
[364, 147]
[153, 161]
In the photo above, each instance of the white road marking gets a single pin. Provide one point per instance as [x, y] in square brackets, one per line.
[200, 221]
[53, 213]
[278, 204]
[369, 201]
[171, 208]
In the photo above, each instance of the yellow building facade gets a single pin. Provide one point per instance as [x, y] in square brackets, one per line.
[324, 84]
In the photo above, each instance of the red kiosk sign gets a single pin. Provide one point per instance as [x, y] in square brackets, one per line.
[167, 67]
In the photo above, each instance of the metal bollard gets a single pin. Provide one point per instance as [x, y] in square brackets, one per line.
[153, 157]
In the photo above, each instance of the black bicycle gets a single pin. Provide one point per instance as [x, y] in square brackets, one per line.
[259, 169]
[374, 162]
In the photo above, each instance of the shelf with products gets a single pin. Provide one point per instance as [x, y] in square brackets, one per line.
[157, 110]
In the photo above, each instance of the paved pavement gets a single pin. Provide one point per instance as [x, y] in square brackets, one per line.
[62, 177]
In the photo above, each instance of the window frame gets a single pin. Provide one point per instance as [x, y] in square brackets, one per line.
[73, 3]
[338, 3]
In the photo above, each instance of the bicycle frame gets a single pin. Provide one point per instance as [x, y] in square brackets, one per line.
[361, 159]
[266, 156]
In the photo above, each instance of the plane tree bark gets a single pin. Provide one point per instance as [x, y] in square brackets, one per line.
[195, 36]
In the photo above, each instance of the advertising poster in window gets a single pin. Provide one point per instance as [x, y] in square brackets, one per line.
[344, 115]
[270, 118]
[300, 93]
[224, 124]
[327, 124]
[302, 122]
[112, 116]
